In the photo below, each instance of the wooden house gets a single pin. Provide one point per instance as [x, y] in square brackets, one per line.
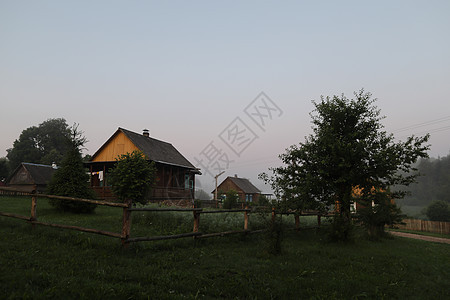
[248, 193]
[175, 174]
[28, 177]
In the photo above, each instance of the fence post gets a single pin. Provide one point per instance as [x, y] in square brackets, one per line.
[297, 222]
[318, 220]
[246, 218]
[273, 214]
[196, 221]
[126, 222]
[33, 208]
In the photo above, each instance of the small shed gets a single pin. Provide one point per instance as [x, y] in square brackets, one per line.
[247, 192]
[28, 177]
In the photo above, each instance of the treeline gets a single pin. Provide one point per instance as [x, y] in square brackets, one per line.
[432, 185]
[45, 144]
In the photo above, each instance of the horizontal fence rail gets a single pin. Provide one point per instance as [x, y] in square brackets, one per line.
[164, 209]
[33, 215]
[105, 203]
[128, 208]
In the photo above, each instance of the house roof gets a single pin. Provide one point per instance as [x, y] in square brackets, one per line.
[244, 184]
[156, 150]
[39, 174]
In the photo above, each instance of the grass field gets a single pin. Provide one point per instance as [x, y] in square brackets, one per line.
[49, 263]
[439, 235]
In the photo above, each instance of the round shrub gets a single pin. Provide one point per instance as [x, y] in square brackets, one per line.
[231, 199]
[133, 177]
[438, 211]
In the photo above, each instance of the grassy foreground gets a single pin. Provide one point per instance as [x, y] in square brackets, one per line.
[49, 263]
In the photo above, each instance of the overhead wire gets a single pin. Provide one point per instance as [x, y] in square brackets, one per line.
[428, 123]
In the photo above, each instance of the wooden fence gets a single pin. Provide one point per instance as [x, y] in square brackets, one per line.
[428, 226]
[127, 209]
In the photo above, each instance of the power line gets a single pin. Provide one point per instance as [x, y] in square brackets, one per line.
[445, 128]
[439, 129]
[428, 123]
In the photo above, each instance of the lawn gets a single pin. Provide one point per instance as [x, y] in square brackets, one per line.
[49, 263]
[434, 234]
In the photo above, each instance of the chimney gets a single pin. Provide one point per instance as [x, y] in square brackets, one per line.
[235, 175]
[145, 133]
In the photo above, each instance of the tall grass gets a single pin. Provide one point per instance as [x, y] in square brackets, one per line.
[60, 264]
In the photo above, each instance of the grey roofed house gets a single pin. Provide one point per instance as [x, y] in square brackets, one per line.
[175, 174]
[246, 190]
[245, 185]
[28, 177]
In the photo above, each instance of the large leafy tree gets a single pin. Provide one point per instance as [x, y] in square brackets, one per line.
[348, 149]
[71, 179]
[43, 144]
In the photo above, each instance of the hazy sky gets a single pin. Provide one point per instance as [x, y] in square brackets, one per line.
[189, 70]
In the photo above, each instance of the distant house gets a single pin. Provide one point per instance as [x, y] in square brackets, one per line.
[247, 192]
[175, 174]
[28, 177]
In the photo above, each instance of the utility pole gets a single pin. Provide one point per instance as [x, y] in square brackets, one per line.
[215, 191]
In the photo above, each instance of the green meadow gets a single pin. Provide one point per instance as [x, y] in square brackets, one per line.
[52, 263]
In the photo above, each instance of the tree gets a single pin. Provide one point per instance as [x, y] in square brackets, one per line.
[132, 177]
[263, 200]
[438, 211]
[4, 169]
[71, 179]
[231, 199]
[347, 149]
[42, 144]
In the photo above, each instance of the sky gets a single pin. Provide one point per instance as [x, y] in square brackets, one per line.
[229, 83]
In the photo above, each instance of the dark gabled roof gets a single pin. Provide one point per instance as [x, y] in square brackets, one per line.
[244, 184]
[40, 174]
[156, 150]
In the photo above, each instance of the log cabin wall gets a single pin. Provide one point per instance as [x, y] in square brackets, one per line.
[227, 185]
[175, 175]
[118, 145]
[245, 195]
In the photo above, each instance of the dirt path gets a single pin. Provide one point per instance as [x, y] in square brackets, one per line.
[421, 237]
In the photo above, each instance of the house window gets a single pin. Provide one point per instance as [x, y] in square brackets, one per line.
[186, 181]
[250, 197]
[175, 177]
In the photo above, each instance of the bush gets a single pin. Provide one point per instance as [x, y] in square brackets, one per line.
[263, 201]
[438, 211]
[375, 218]
[197, 203]
[231, 199]
[340, 230]
[133, 177]
[274, 235]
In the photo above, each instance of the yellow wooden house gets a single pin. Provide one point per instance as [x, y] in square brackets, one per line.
[175, 174]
